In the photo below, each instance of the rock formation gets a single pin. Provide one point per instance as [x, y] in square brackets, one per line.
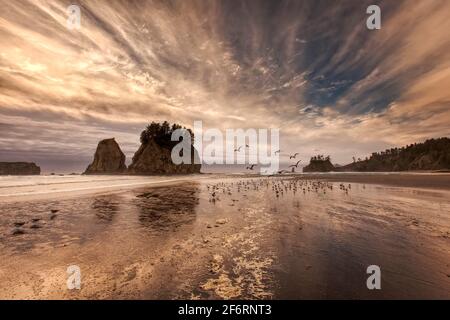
[319, 165]
[108, 159]
[152, 158]
[19, 168]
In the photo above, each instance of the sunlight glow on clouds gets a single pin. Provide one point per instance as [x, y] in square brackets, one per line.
[310, 68]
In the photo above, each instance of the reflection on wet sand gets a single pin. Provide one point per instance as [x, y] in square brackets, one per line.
[105, 207]
[166, 208]
[258, 238]
[318, 238]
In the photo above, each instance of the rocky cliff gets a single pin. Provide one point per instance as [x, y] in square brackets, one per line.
[108, 159]
[152, 158]
[324, 165]
[19, 168]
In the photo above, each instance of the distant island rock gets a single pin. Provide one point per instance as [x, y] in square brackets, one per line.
[19, 168]
[108, 159]
[319, 164]
[154, 154]
[433, 154]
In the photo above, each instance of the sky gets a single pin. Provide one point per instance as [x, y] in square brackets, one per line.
[308, 67]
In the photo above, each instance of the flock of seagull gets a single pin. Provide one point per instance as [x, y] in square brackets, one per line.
[279, 187]
[293, 166]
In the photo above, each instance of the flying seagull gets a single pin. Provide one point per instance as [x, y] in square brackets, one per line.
[238, 149]
[251, 167]
[278, 151]
[295, 165]
[294, 156]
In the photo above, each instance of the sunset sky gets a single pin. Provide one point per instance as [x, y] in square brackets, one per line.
[310, 68]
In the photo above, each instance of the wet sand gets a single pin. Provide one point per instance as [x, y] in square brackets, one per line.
[31, 188]
[229, 237]
[427, 180]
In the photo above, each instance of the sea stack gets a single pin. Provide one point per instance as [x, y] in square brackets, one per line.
[152, 158]
[108, 159]
[19, 168]
[319, 164]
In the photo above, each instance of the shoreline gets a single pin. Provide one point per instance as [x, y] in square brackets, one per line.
[18, 188]
[58, 190]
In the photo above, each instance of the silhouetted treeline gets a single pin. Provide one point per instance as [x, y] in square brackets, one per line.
[161, 133]
[320, 157]
[433, 154]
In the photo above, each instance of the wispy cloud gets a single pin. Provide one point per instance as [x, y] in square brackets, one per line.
[310, 68]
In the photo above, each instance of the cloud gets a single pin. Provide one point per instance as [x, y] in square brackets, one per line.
[310, 68]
